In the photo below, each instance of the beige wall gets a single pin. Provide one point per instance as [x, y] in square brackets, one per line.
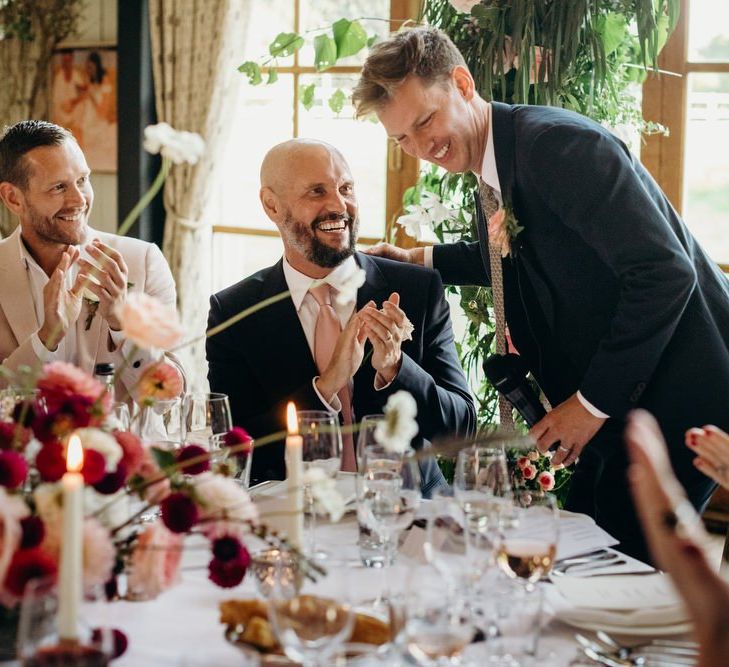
[99, 27]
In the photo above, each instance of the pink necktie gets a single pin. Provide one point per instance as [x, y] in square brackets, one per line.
[326, 333]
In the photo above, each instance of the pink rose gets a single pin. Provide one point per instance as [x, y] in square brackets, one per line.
[533, 456]
[546, 480]
[149, 323]
[160, 381]
[12, 510]
[522, 462]
[155, 563]
[529, 471]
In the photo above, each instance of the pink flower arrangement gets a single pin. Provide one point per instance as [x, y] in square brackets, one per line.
[61, 382]
[149, 323]
[155, 562]
[160, 381]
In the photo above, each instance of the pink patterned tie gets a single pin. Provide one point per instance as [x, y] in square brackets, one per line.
[326, 333]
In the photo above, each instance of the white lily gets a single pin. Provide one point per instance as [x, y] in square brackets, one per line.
[176, 145]
[347, 290]
[399, 427]
[327, 499]
[464, 6]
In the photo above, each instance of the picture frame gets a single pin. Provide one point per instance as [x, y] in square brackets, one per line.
[83, 99]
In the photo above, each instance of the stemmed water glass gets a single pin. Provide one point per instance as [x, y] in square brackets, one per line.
[321, 449]
[205, 416]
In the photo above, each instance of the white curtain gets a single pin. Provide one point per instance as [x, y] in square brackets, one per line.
[196, 47]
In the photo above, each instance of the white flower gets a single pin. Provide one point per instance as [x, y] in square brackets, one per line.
[102, 442]
[176, 145]
[399, 427]
[347, 290]
[464, 6]
[422, 218]
[224, 506]
[327, 499]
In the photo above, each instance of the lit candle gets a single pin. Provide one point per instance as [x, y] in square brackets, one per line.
[294, 476]
[71, 571]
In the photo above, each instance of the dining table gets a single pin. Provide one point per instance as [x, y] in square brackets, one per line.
[182, 627]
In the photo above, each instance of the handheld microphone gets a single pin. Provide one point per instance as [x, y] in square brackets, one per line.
[508, 374]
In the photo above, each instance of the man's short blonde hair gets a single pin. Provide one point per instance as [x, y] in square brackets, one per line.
[423, 51]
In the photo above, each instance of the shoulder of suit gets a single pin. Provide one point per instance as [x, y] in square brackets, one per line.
[403, 270]
[124, 243]
[245, 292]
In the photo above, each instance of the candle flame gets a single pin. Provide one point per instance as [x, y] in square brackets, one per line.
[292, 421]
[74, 454]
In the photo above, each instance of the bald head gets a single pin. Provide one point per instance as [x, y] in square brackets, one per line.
[307, 191]
[286, 161]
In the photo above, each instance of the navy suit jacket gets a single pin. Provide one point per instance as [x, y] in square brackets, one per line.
[607, 291]
[264, 360]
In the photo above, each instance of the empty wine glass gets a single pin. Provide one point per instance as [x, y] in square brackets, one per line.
[206, 415]
[366, 435]
[311, 629]
[160, 423]
[321, 449]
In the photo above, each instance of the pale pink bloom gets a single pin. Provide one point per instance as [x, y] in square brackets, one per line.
[99, 553]
[61, 380]
[533, 456]
[224, 506]
[12, 510]
[546, 480]
[498, 234]
[148, 470]
[149, 323]
[464, 6]
[160, 381]
[529, 471]
[522, 462]
[155, 562]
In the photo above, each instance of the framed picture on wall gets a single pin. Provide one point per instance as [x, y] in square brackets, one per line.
[83, 100]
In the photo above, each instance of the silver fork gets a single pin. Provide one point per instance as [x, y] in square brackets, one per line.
[680, 652]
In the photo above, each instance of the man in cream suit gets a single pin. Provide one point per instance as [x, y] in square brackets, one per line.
[61, 282]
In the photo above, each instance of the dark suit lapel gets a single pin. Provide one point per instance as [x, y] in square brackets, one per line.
[282, 336]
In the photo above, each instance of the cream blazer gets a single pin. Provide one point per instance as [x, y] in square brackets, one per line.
[148, 272]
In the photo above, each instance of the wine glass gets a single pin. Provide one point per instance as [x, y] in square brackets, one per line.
[160, 423]
[528, 543]
[482, 488]
[366, 435]
[311, 629]
[321, 449]
[206, 415]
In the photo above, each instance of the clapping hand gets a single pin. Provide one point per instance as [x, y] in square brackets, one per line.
[711, 445]
[346, 359]
[110, 272]
[386, 330]
[61, 306]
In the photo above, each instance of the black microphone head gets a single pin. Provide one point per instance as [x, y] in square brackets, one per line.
[504, 371]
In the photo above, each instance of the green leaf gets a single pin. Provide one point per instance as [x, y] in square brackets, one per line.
[612, 29]
[325, 52]
[349, 36]
[487, 17]
[306, 94]
[163, 458]
[252, 71]
[372, 40]
[285, 44]
[272, 75]
[337, 100]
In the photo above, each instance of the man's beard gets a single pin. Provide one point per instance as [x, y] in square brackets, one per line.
[52, 230]
[305, 241]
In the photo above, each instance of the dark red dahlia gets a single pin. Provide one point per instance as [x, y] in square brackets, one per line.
[230, 548]
[50, 462]
[33, 532]
[193, 452]
[239, 436]
[179, 513]
[94, 467]
[28, 564]
[226, 574]
[13, 436]
[13, 469]
[118, 637]
[111, 482]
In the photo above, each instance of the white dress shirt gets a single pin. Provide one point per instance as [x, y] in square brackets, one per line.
[490, 175]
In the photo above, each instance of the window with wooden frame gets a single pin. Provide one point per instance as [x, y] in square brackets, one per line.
[244, 239]
[692, 100]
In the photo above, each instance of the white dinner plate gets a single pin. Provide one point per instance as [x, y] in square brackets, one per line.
[632, 631]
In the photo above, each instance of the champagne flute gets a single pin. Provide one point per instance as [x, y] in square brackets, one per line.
[321, 448]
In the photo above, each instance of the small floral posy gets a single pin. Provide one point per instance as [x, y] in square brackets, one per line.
[503, 228]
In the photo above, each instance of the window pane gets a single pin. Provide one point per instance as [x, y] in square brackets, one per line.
[237, 256]
[362, 143]
[263, 117]
[264, 20]
[707, 162]
[322, 13]
[709, 31]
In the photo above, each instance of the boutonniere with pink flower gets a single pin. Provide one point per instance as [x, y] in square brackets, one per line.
[503, 228]
[92, 303]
